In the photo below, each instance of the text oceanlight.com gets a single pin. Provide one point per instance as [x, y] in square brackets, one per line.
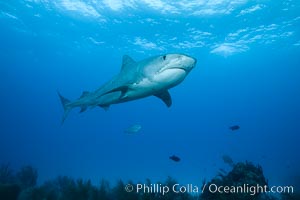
[212, 188]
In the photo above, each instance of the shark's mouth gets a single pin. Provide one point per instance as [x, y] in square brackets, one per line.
[170, 75]
[182, 68]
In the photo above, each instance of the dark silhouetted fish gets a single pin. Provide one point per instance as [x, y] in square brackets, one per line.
[175, 158]
[234, 128]
[227, 159]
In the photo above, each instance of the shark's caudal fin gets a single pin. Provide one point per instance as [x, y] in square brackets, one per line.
[66, 107]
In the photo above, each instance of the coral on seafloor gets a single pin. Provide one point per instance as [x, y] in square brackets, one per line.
[27, 177]
[240, 182]
[13, 184]
[22, 186]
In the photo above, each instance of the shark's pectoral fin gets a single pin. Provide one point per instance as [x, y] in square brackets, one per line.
[122, 89]
[105, 107]
[165, 97]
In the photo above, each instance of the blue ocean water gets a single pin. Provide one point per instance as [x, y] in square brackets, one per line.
[247, 74]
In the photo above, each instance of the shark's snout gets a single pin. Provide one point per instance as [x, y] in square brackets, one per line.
[188, 63]
[195, 61]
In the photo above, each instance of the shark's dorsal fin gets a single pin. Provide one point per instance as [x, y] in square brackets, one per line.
[127, 61]
[165, 97]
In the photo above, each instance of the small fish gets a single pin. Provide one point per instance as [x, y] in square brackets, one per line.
[175, 158]
[133, 129]
[234, 128]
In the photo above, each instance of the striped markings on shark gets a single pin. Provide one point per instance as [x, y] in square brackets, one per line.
[153, 76]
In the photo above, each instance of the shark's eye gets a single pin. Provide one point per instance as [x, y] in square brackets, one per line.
[164, 57]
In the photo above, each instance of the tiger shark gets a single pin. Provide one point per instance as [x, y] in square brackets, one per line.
[136, 80]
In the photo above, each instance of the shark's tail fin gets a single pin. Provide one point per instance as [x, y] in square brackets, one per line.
[67, 108]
